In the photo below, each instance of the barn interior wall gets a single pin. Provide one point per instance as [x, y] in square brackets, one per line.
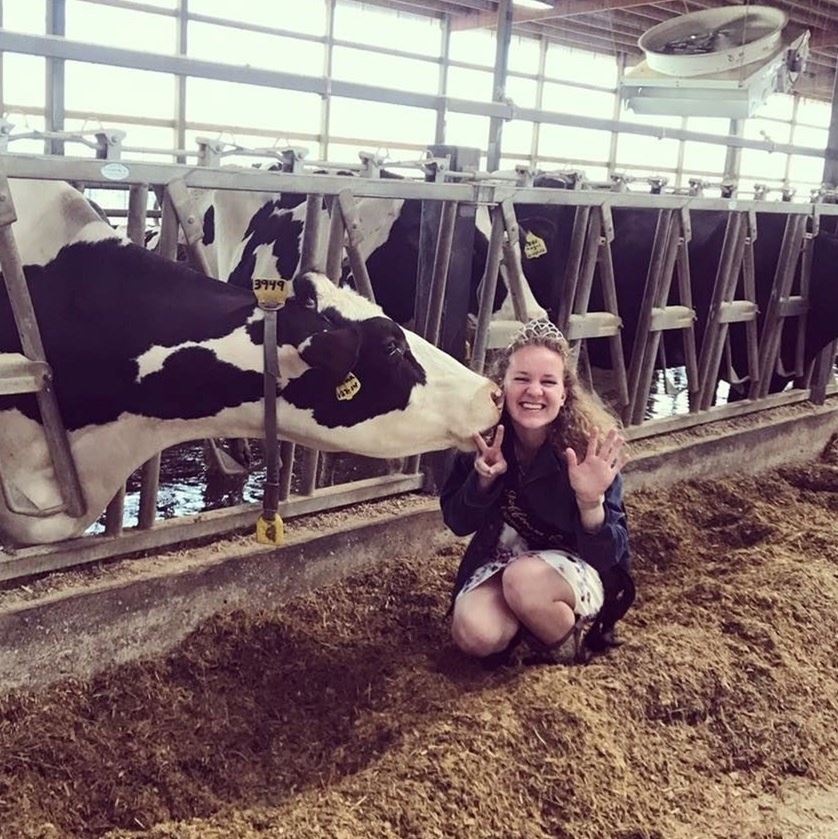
[349, 41]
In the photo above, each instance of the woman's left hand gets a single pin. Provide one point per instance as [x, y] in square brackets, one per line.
[603, 460]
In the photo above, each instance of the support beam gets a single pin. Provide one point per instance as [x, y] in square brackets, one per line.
[55, 25]
[568, 8]
[733, 157]
[181, 24]
[504, 36]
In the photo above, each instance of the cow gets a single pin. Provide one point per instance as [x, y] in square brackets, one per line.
[260, 234]
[147, 353]
[547, 229]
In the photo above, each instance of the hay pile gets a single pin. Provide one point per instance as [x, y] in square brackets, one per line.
[348, 714]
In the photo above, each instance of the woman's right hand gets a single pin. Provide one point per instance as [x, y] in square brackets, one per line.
[489, 463]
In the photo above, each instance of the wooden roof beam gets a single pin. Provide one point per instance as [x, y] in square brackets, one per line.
[564, 9]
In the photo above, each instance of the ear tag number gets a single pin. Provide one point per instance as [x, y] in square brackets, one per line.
[348, 388]
[271, 293]
[534, 246]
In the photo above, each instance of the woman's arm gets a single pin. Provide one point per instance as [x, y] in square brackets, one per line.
[465, 503]
[606, 544]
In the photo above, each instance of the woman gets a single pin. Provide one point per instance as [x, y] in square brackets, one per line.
[550, 552]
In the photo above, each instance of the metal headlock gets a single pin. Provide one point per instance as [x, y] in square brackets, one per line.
[29, 372]
[271, 295]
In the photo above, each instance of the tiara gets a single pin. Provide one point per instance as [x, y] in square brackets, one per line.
[537, 329]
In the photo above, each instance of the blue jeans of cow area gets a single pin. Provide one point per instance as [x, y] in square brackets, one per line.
[582, 578]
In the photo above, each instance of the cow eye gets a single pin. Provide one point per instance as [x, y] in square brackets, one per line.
[393, 349]
[310, 303]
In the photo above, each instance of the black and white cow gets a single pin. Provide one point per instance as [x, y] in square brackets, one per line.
[260, 234]
[550, 228]
[147, 353]
[50, 215]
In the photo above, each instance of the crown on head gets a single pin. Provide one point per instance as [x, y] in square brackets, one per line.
[537, 329]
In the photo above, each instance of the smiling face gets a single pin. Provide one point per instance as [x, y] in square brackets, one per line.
[534, 391]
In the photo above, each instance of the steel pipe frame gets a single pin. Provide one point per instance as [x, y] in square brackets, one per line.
[90, 172]
[646, 342]
[137, 204]
[20, 303]
[499, 223]
[715, 330]
[487, 293]
[790, 253]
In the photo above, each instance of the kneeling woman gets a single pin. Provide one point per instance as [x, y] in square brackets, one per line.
[544, 501]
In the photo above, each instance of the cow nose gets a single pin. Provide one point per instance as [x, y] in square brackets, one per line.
[497, 397]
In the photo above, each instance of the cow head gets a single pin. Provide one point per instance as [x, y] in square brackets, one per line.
[370, 386]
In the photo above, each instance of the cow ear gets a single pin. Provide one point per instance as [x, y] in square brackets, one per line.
[335, 350]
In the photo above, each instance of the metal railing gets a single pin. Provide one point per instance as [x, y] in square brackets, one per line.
[590, 261]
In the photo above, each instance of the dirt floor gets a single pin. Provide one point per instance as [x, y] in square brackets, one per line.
[348, 714]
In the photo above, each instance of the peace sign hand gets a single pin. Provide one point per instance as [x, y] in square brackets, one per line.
[489, 463]
[596, 472]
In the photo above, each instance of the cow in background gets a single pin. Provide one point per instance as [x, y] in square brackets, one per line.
[147, 353]
[260, 234]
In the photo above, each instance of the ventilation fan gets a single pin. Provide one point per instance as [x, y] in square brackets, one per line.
[717, 62]
[713, 40]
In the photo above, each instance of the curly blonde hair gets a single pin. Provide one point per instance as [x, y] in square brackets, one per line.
[583, 413]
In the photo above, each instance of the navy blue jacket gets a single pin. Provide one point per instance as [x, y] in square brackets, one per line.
[546, 495]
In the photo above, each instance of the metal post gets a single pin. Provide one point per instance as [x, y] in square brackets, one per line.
[311, 258]
[715, 329]
[734, 154]
[55, 25]
[2, 101]
[273, 463]
[457, 290]
[487, 292]
[182, 22]
[444, 50]
[504, 36]
[137, 204]
[150, 480]
[334, 250]
[539, 98]
[23, 312]
[442, 259]
[354, 237]
[570, 281]
[326, 99]
[615, 114]
[822, 373]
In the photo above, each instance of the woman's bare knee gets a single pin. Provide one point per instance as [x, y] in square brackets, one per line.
[540, 598]
[480, 639]
[482, 624]
[522, 583]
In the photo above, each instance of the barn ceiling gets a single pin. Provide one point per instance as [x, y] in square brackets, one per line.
[613, 26]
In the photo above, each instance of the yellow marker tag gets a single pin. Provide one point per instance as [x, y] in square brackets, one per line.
[534, 246]
[348, 388]
[270, 532]
[271, 292]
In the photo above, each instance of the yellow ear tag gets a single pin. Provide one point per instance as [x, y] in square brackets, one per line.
[271, 293]
[348, 388]
[534, 246]
[270, 532]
